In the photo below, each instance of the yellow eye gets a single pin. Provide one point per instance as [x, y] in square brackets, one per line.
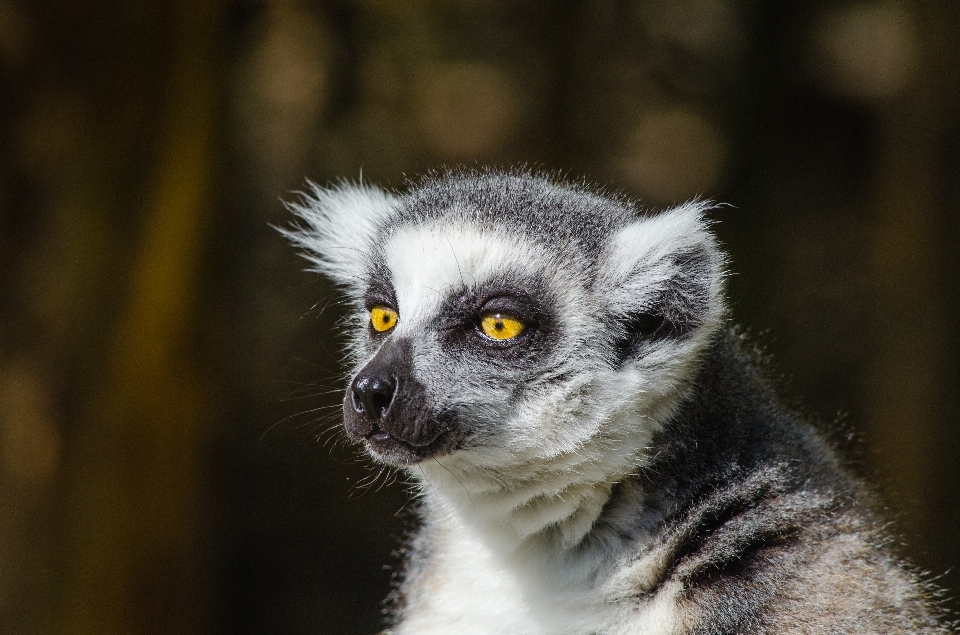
[382, 318]
[501, 327]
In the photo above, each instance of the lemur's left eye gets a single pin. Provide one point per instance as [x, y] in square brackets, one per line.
[382, 318]
[501, 327]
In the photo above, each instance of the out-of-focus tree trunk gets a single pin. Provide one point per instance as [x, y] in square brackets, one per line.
[133, 528]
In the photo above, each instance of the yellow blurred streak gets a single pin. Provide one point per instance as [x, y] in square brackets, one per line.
[135, 486]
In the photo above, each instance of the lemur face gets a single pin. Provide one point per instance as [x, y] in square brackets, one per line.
[464, 325]
[503, 319]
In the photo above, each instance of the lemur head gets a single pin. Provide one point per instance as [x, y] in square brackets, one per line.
[502, 321]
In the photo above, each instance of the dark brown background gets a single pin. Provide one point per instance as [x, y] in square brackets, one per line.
[168, 375]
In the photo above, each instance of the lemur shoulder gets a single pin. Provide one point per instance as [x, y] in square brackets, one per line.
[596, 453]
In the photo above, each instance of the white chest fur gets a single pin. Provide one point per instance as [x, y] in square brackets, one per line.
[470, 586]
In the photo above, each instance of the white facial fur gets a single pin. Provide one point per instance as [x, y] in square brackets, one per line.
[428, 263]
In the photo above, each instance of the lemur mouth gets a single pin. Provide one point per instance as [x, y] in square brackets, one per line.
[387, 448]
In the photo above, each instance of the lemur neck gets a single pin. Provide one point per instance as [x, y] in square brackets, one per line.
[556, 509]
[548, 501]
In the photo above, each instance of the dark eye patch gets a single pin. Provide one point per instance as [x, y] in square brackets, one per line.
[520, 306]
[380, 293]
[526, 300]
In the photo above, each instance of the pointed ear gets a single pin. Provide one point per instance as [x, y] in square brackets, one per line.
[662, 277]
[335, 228]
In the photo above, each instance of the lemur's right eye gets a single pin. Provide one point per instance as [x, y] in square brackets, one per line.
[383, 318]
[501, 327]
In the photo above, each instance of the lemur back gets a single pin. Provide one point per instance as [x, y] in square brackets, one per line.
[595, 452]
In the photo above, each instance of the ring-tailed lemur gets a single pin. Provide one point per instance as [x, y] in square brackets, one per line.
[596, 453]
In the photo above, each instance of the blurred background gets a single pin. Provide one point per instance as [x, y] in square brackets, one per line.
[170, 378]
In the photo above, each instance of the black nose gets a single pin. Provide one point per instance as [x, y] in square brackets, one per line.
[372, 395]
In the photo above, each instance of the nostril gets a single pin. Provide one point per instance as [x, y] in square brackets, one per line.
[380, 403]
[356, 399]
[372, 395]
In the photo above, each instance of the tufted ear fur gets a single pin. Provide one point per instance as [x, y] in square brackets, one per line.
[662, 277]
[335, 229]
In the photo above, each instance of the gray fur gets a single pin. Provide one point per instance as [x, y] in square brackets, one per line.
[620, 466]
